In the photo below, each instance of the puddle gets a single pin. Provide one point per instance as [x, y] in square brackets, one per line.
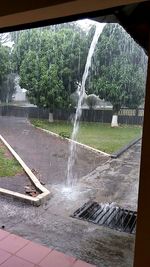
[72, 193]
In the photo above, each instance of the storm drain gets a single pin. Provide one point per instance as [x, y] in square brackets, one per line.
[108, 215]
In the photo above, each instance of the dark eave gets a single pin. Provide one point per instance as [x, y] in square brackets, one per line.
[133, 15]
[17, 6]
[135, 19]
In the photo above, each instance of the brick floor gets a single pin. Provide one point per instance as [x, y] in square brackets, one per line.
[16, 251]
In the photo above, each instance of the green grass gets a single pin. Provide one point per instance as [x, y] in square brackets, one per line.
[8, 166]
[97, 135]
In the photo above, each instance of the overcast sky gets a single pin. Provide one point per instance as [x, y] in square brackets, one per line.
[88, 23]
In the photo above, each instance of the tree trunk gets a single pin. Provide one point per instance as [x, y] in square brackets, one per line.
[114, 122]
[136, 112]
[116, 108]
[50, 119]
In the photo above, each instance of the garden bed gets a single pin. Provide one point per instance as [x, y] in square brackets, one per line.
[12, 175]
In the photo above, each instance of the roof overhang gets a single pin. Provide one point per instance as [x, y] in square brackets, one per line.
[133, 15]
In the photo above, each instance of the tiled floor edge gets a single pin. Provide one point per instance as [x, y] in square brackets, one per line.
[47, 252]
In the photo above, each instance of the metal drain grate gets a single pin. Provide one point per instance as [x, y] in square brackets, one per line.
[108, 215]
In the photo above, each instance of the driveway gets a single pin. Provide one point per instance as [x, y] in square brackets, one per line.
[46, 155]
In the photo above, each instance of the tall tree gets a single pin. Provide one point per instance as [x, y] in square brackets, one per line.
[6, 76]
[50, 62]
[119, 69]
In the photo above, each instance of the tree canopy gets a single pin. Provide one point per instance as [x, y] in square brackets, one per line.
[119, 69]
[6, 75]
[50, 62]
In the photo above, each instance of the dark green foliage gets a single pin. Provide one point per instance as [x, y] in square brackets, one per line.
[64, 135]
[6, 75]
[50, 62]
[119, 69]
[7, 88]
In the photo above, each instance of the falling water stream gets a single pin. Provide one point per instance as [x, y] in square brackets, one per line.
[72, 156]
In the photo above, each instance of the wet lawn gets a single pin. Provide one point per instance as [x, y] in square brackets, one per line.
[97, 135]
[8, 165]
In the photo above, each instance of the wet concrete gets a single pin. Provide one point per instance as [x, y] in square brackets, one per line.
[45, 154]
[51, 224]
[117, 180]
[16, 183]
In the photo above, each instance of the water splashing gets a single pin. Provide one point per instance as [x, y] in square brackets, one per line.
[72, 157]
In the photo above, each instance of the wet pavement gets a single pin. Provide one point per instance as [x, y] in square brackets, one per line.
[46, 155]
[117, 180]
[108, 180]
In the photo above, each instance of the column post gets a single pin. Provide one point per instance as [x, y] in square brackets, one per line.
[142, 241]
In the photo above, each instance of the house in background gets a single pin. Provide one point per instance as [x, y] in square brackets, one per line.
[20, 98]
[20, 93]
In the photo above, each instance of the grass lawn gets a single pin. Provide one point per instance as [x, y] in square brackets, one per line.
[97, 135]
[8, 165]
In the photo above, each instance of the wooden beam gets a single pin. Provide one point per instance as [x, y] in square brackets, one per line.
[142, 244]
[65, 9]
